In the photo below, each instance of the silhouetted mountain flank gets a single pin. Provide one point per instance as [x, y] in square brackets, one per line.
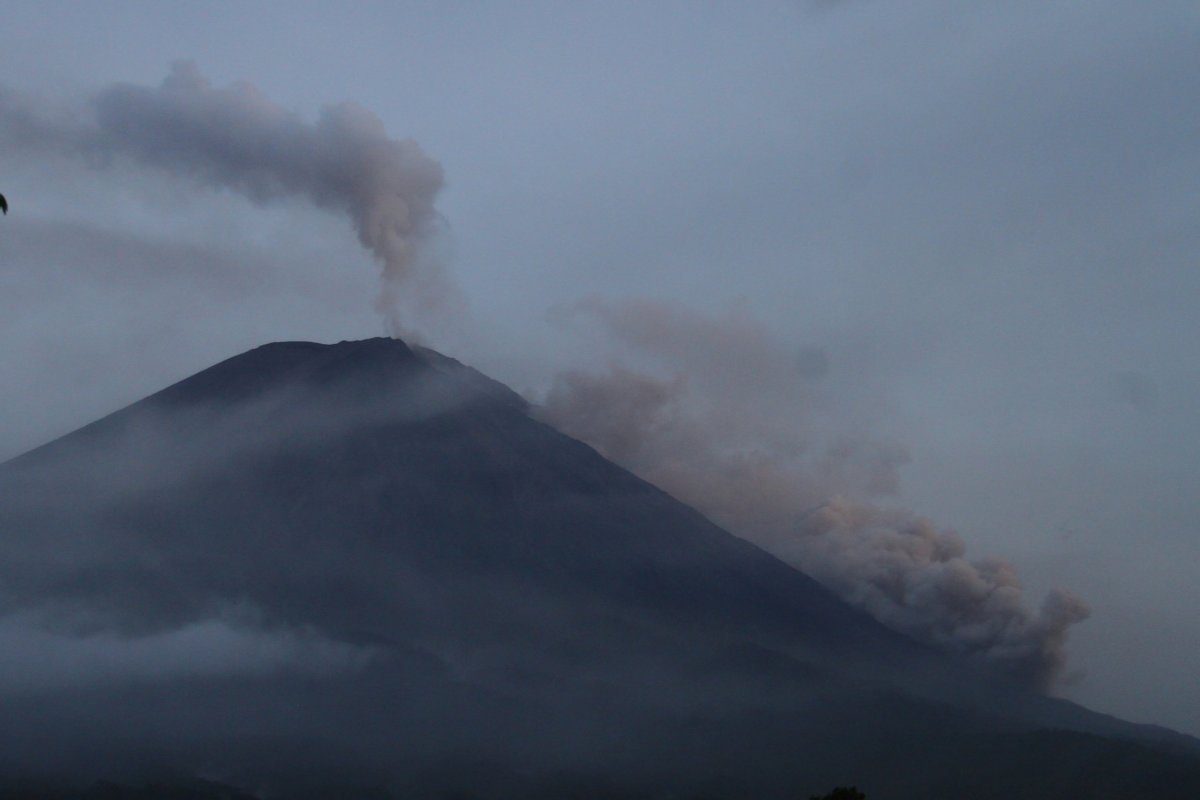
[314, 570]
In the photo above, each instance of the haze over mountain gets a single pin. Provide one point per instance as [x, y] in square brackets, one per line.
[803, 241]
[323, 569]
[967, 229]
[760, 461]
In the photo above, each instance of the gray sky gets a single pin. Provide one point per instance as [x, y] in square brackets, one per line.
[974, 224]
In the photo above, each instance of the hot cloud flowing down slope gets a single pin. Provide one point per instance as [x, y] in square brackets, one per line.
[236, 138]
[729, 420]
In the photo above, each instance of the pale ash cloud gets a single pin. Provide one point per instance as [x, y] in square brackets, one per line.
[735, 428]
[236, 138]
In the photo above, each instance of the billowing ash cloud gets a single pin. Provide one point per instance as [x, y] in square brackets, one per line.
[731, 421]
[236, 138]
[916, 578]
[718, 413]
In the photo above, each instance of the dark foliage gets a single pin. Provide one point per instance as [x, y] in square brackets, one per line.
[842, 793]
[107, 790]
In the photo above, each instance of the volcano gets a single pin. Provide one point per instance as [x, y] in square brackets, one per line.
[365, 569]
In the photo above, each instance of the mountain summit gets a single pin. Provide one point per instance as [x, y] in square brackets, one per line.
[316, 570]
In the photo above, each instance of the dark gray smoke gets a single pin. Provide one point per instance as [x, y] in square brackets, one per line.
[236, 138]
[733, 422]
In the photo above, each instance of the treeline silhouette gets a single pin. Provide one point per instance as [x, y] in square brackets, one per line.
[842, 793]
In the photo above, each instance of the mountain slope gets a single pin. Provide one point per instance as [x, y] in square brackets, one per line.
[360, 564]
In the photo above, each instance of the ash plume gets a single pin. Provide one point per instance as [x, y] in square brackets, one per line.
[729, 420]
[717, 412]
[236, 138]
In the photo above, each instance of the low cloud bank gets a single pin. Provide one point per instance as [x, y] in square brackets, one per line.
[38, 656]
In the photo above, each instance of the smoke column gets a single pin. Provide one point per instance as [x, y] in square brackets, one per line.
[235, 138]
[738, 427]
[734, 428]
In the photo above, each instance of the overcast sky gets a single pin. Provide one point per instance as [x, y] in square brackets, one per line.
[975, 222]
